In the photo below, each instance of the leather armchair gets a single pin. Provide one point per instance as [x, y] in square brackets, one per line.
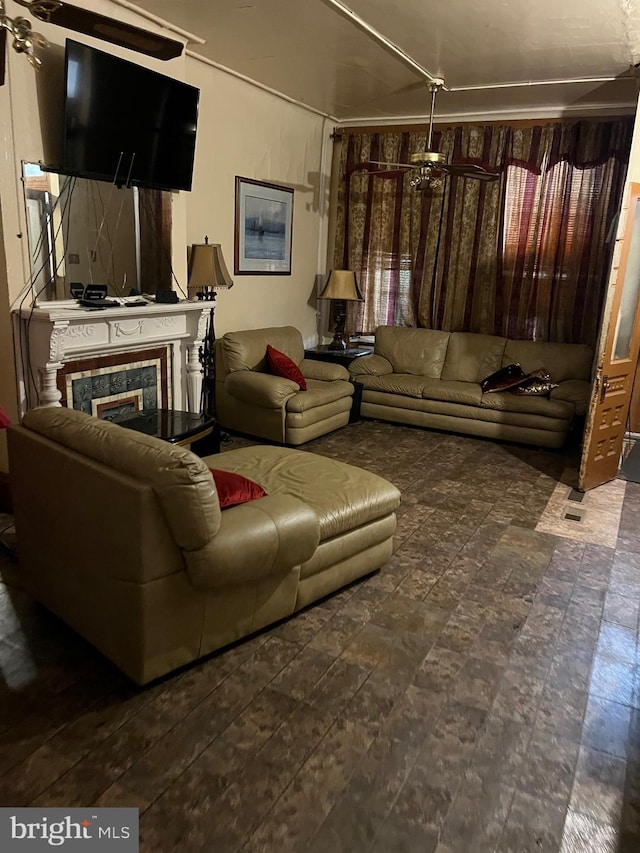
[252, 400]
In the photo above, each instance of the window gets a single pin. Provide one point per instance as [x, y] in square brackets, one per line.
[553, 248]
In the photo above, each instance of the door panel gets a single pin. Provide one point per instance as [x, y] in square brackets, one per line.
[634, 413]
[611, 396]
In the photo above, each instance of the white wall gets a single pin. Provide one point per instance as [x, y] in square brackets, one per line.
[250, 133]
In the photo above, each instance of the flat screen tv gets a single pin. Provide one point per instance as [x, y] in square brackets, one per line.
[126, 124]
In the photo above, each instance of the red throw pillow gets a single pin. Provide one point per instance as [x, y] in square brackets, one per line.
[234, 489]
[282, 365]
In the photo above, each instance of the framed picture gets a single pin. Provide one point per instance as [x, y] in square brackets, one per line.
[264, 224]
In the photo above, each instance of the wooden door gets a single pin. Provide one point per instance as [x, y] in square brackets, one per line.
[611, 394]
[634, 410]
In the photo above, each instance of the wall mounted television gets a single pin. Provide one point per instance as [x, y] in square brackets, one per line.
[126, 124]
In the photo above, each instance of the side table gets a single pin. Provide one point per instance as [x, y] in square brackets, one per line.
[343, 357]
[336, 356]
[177, 427]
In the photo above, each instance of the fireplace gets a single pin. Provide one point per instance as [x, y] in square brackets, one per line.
[113, 385]
[111, 361]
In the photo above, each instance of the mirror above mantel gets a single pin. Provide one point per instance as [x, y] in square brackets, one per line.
[91, 232]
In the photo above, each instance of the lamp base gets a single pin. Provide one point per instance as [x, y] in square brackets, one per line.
[338, 342]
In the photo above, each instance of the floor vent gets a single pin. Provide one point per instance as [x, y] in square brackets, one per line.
[575, 495]
[572, 516]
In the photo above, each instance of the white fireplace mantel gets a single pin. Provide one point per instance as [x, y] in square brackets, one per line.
[53, 333]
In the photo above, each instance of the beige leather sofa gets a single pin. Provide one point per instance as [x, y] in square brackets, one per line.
[251, 400]
[432, 379]
[121, 535]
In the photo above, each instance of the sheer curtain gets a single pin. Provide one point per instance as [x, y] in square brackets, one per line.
[525, 256]
[560, 208]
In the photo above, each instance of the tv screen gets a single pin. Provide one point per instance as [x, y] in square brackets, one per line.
[125, 123]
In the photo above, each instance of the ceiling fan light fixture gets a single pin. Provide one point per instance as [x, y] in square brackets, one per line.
[42, 9]
[432, 166]
[63, 14]
[423, 158]
[24, 38]
[429, 182]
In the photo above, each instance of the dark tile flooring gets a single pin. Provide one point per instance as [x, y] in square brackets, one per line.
[480, 693]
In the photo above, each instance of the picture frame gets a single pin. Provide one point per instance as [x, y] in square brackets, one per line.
[263, 228]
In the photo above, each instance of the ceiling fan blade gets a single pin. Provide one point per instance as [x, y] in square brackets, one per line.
[390, 165]
[103, 27]
[469, 170]
[3, 53]
[488, 177]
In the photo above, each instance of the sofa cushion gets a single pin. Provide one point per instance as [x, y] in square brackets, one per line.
[507, 402]
[247, 350]
[281, 365]
[472, 357]
[319, 393]
[450, 391]
[317, 480]
[575, 391]
[376, 365]
[323, 370]
[418, 351]
[562, 361]
[234, 489]
[395, 383]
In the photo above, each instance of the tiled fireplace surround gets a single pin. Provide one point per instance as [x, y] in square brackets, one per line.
[113, 359]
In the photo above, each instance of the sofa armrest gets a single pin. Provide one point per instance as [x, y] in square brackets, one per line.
[375, 365]
[576, 391]
[260, 389]
[264, 537]
[323, 370]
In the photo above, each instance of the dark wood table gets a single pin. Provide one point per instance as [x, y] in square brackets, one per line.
[177, 427]
[336, 356]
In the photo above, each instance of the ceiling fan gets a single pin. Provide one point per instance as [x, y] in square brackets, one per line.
[431, 165]
[25, 40]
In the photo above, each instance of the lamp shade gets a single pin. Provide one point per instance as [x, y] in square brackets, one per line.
[342, 285]
[207, 267]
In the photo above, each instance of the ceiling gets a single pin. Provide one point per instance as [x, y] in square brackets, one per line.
[507, 58]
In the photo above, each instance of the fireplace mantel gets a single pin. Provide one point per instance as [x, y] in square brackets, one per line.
[52, 333]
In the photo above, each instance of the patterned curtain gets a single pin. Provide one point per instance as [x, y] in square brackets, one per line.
[467, 256]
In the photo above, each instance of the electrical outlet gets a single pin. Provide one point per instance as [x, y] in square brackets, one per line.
[74, 258]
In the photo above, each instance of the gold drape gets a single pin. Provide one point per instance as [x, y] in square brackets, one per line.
[435, 258]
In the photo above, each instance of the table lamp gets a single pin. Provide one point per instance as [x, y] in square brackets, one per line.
[341, 288]
[207, 272]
